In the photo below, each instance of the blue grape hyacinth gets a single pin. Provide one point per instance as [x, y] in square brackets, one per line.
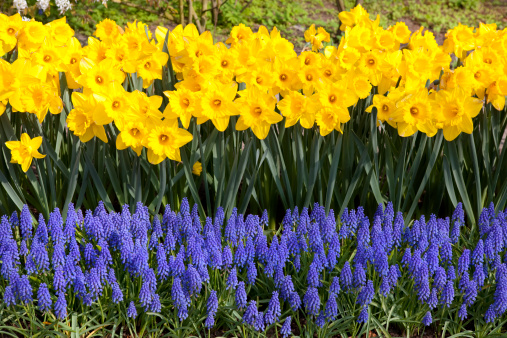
[89, 260]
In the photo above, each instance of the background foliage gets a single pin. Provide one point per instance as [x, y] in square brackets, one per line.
[291, 17]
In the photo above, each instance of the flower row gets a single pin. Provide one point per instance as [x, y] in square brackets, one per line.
[305, 267]
[214, 81]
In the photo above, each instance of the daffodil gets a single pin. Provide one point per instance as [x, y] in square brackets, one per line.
[145, 109]
[316, 37]
[459, 39]
[239, 34]
[197, 168]
[336, 95]
[348, 57]
[107, 31]
[9, 31]
[116, 104]
[9, 80]
[165, 141]
[59, 32]
[261, 78]
[150, 68]
[415, 112]
[355, 16]
[310, 78]
[257, 111]
[182, 103]
[385, 40]
[70, 60]
[385, 105]
[22, 152]
[329, 119]
[96, 50]
[217, 105]
[370, 64]
[297, 107]
[401, 32]
[48, 56]
[285, 75]
[80, 119]
[226, 59]
[123, 60]
[37, 98]
[456, 112]
[99, 77]
[132, 136]
[359, 84]
[32, 35]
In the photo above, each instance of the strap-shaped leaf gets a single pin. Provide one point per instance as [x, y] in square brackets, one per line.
[434, 154]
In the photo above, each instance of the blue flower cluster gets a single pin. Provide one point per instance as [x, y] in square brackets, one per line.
[82, 255]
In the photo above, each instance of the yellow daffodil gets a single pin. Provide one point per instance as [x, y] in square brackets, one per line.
[459, 39]
[9, 80]
[116, 104]
[145, 109]
[401, 32]
[359, 84]
[285, 75]
[32, 35]
[150, 68]
[59, 31]
[239, 34]
[217, 105]
[10, 27]
[257, 111]
[48, 56]
[37, 98]
[182, 103]
[329, 119]
[310, 78]
[386, 105]
[336, 95]
[348, 57]
[261, 78]
[132, 136]
[96, 50]
[357, 15]
[80, 119]
[165, 141]
[22, 152]
[370, 64]
[316, 37]
[415, 112]
[297, 107]
[99, 77]
[70, 60]
[226, 59]
[197, 168]
[456, 112]
[107, 31]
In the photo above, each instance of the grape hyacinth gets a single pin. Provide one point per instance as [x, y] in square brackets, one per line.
[87, 260]
[285, 331]
[427, 319]
[44, 298]
[131, 310]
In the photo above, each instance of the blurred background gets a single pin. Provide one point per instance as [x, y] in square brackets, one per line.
[290, 17]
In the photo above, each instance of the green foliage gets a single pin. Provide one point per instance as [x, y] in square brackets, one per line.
[437, 16]
[281, 14]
